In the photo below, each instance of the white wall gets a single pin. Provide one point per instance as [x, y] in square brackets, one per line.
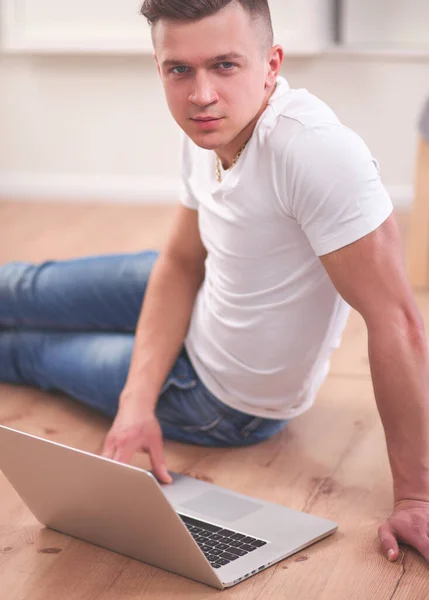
[98, 126]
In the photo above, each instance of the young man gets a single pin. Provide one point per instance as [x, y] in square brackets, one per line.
[284, 223]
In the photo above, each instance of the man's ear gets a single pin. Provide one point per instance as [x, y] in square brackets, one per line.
[275, 59]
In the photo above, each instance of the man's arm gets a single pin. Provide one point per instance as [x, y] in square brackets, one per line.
[161, 330]
[164, 320]
[370, 276]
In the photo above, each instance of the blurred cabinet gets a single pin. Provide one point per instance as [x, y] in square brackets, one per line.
[385, 23]
[418, 234]
[116, 26]
[418, 245]
[74, 26]
[303, 26]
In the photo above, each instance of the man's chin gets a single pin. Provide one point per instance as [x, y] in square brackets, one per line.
[206, 140]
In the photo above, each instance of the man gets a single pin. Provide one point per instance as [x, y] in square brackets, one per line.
[284, 223]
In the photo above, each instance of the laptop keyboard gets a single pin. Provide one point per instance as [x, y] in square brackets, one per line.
[220, 546]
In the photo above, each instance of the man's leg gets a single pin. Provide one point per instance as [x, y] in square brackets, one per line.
[93, 367]
[97, 293]
[104, 294]
[90, 367]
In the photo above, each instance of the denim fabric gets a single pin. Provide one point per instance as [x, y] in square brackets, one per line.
[69, 326]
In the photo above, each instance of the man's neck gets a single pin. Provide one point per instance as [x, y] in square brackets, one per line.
[228, 153]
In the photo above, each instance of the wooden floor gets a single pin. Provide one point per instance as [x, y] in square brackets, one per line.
[331, 461]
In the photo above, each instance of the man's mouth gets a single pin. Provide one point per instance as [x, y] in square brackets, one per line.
[206, 119]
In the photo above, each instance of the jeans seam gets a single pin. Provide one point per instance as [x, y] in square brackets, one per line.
[194, 428]
[181, 385]
[209, 427]
[251, 427]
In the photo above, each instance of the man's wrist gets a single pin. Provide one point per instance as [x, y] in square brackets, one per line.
[140, 397]
[411, 493]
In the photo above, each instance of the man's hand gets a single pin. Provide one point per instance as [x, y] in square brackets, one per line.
[134, 430]
[409, 523]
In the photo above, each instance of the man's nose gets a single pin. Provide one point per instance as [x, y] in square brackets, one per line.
[203, 92]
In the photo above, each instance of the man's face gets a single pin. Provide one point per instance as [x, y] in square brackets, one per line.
[214, 73]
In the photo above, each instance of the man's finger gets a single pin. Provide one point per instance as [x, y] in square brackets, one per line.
[156, 453]
[421, 543]
[389, 544]
[125, 453]
[109, 449]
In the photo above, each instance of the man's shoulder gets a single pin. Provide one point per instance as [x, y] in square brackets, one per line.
[305, 108]
[298, 112]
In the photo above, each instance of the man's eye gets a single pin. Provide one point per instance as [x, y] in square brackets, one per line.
[180, 70]
[227, 66]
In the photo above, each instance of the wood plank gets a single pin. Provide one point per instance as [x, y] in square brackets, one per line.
[418, 248]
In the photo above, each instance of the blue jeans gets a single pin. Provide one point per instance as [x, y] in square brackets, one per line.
[69, 326]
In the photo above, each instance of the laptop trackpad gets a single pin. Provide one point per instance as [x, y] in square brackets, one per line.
[217, 505]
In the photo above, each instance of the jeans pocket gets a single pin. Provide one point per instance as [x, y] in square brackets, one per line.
[184, 402]
[242, 423]
[185, 406]
[259, 429]
[181, 383]
[251, 426]
[182, 376]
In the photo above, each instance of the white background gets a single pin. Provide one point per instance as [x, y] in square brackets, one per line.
[103, 25]
[78, 25]
[386, 22]
[96, 125]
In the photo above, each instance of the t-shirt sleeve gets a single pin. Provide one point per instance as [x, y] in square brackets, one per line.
[187, 198]
[333, 187]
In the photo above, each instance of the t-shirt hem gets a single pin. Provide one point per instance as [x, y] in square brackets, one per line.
[352, 234]
[188, 203]
[225, 398]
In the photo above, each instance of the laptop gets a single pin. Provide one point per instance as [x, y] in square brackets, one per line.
[192, 528]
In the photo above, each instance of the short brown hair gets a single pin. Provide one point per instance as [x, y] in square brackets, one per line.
[194, 10]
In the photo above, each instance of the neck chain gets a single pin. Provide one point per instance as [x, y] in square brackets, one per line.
[234, 162]
[237, 156]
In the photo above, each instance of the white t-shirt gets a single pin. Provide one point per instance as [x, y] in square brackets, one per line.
[267, 316]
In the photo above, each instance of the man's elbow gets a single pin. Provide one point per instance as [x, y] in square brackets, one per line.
[405, 322]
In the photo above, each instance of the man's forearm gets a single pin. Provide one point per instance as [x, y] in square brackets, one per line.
[161, 329]
[400, 372]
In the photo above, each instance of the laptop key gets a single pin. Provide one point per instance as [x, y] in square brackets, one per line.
[217, 537]
[248, 540]
[216, 565]
[237, 551]
[248, 547]
[229, 556]
[222, 546]
[212, 557]
[226, 532]
[216, 551]
[235, 543]
[222, 561]
[202, 524]
[205, 549]
[203, 539]
[199, 539]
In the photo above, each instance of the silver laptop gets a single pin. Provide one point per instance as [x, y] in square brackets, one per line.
[192, 528]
